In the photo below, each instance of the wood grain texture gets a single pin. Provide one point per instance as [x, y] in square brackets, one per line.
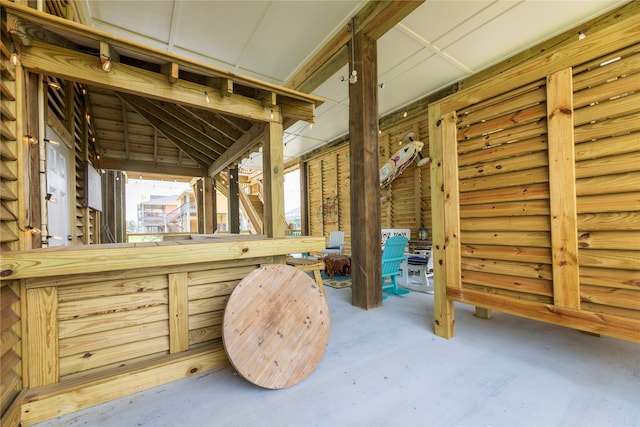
[365, 178]
[42, 324]
[562, 190]
[276, 326]
[97, 258]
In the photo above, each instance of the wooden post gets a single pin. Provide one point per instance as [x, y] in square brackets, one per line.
[365, 179]
[178, 312]
[200, 208]
[273, 167]
[442, 133]
[213, 206]
[562, 190]
[42, 324]
[304, 199]
[208, 214]
[234, 201]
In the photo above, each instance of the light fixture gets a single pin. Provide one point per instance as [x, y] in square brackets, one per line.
[15, 56]
[381, 85]
[353, 78]
[54, 85]
[581, 35]
[49, 198]
[106, 63]
[272, 114]
[32, 230]
[310, 125]
[52, 142]
[206, 98]
[30, 140]
[404, 114]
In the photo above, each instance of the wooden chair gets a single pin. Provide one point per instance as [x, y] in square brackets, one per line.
[335, 246]
[392, 256]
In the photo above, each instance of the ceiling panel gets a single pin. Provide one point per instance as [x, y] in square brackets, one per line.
[133, 18]
[394, 48]
[416, 82]
[436, 45]
[518, 28]
[280, 44]
[218, 30]
[434, 19]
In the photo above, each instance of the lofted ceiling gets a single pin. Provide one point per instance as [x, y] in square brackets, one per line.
[437, 44]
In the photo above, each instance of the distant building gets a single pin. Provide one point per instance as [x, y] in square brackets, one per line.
[168, 214]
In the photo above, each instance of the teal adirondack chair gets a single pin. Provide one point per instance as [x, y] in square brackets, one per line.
[392, 257]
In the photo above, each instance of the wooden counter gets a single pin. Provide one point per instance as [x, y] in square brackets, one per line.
[106, 321]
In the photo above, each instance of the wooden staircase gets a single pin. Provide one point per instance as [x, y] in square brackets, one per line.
[251, 204]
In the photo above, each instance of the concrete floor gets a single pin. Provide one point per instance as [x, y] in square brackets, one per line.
[385, 367]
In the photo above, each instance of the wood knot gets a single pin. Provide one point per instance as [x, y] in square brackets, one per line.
[245, 250]
[193, 370]
[6, 273]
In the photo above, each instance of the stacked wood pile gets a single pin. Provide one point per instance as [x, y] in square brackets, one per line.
[537, 189]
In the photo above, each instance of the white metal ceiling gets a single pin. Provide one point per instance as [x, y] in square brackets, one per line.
[438, 44]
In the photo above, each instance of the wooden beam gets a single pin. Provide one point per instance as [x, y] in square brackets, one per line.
[158, 118]
[69, 28]
[562, 190]
[273, 168]
[172, 70]
[234, 201]
[225, 86]
[110, 163]
[107, 55]
[366, 266]
[198, 191]
[70, 65]
[238, 149]
[42, 323]
[208, 216]
[443, 313]
[374, 20]
[207, 123]
[194, 127]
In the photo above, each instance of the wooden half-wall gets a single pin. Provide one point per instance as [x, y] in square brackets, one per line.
[106, 321]
[536, 188]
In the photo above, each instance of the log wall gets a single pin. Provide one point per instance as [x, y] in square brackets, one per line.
[537, 189]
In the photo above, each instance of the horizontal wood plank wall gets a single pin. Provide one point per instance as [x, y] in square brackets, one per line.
[516, 252]
[11, 237]
[408, 199]
[120, 320]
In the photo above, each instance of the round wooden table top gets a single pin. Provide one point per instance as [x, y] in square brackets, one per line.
[276, 326]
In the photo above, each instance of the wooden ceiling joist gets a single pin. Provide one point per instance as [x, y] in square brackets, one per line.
[75, 66]
[159, 119]
[155, 168]
[239, 149]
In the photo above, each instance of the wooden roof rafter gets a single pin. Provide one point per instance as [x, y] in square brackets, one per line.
[160, 120]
